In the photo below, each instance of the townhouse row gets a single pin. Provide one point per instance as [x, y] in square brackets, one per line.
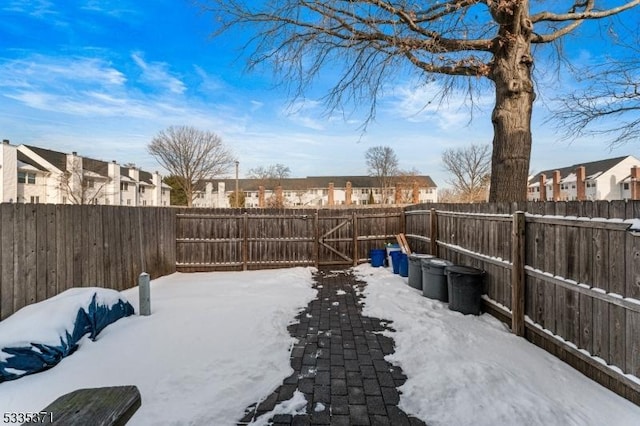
[610, 179]
[316, 191]
[30, 174]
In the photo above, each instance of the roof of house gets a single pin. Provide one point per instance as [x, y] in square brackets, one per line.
[146, 177]
[310, 182]
[57, 159]
[30, 161]
[96, 166]
[592, 169]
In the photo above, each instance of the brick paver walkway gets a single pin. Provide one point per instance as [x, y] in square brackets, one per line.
[339, 363]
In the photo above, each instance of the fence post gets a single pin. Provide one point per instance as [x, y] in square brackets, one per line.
[433, 232]
[355, 239]
[316, 230]
[144, 290]
[517, 273]
[245, 241]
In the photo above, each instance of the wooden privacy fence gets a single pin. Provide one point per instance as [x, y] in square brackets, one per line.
[565, 281]
[240, 239]
[46, 249]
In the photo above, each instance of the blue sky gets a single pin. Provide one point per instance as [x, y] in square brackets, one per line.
[102, 77]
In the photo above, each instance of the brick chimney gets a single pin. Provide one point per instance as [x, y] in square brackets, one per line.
[543, 187]
[261, 196]
[556, 185]
[331, 200]
[398, 195]
[581, 192]
[348, 193]
[635, 183]
[279, 196]
[415, 193]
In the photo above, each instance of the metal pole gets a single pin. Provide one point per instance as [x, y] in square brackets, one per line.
[144, 288]
[236, 200]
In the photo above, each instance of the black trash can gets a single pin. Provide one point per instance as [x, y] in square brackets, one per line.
[466, 285]
[415, 269]
[434, 279]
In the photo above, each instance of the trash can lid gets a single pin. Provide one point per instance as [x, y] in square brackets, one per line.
[464, 270]
[418, 256]
[436, 262]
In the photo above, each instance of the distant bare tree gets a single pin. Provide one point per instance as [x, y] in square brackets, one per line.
[191, 156]
[271, 175]
[78, 187]
[468, 44]
[382, 163]
[470, 169]
[448, 195]
[405, 180]
[610, 105]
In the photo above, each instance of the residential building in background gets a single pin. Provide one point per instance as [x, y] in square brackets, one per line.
[611, 179]
[315, 191]
[31, 174]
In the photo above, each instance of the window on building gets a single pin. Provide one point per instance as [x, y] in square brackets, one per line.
[141, 189]
[35, 199]
[128, 202]
[25, 177]
[144, 202]
[625, 185]
[95, 201]
[124, 186]
[325, 192]
[90, 183]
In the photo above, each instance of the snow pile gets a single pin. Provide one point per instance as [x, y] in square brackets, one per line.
[39, 336]
[472, 370]
[214, 344]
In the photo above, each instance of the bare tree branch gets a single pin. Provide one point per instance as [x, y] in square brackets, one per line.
[367, 43]
[191, 155]
[382, 163]
[470, 168]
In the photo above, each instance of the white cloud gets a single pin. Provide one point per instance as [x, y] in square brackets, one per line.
[423, 104]
[43, 71]
[306, 113]
[115, 8]
[256, 105]
[157, 74]
[209, 82]
[34, 8]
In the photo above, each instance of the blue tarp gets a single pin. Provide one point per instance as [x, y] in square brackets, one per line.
[39, 357]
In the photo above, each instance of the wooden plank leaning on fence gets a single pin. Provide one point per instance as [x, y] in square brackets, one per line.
[404, 245]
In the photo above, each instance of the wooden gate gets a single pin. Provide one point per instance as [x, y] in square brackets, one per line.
[336, 244]
[235, 239]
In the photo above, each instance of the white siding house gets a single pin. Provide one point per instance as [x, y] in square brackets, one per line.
[31, 174]
[315, 191]
[609, 179]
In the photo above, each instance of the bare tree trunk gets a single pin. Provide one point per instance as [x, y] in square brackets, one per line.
[511, 74]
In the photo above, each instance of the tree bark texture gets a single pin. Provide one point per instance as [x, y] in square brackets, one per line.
[511, 117]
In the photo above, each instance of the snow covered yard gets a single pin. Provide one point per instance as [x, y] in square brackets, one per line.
[471, 370]
[214, 344]
[218, 342]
